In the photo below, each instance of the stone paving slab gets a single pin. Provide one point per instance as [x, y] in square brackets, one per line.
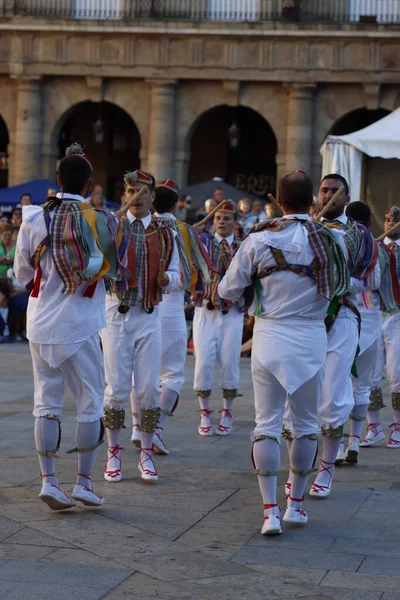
[194, 535]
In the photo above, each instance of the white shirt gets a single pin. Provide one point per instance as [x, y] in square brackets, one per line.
[388, 241]
[283, 294]
[173, 272]
[54, 317]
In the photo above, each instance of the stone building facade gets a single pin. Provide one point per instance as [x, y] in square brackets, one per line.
[167, 76]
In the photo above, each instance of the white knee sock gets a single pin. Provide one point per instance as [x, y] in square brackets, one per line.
[228, 404]
[374, 416]
[266, 455]
[113, 438]
[47, 432]
[204, 402]
[289, 446]
[87, 435]
[356, 427]
[146, 440]
[327, 465]
[167, 402]
[302, 455]
[396, 416]
[135, 408]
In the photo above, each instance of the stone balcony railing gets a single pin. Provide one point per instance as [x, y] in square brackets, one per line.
[301, 11]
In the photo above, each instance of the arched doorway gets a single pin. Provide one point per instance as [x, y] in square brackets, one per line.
[357, 119]
[110, 138]
[237, 144]
[4, 141]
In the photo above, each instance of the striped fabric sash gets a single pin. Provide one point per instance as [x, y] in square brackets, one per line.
[146, 249]
[389, 290]
[221, 255]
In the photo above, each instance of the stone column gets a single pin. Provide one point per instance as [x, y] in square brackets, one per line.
[182, 159]
[161, 143]
[27, 148]
[299, 136]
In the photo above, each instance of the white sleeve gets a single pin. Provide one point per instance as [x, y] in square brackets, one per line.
[24, 272]
[239, 273]
[369, 284]
[173, 272]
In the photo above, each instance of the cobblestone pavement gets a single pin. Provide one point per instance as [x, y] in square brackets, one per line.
[194, 535]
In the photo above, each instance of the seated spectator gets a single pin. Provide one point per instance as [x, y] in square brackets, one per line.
[269, 211]
[17, 301]
[97, 200]
[7, 249]
[244, 209]
[16, 221]
[25, 200]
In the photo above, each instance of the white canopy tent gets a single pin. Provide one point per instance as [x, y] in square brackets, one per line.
[344, 153]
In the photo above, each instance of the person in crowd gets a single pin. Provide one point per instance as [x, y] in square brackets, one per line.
[218, 195]
[25, 200]
[7, 249]
[181, 208]
[3, 317]
[51, 193]
[17, 303]
[244, 209]
[256, 216]
[16, 221]
[97, 200]
[4, 219]
[269, 211]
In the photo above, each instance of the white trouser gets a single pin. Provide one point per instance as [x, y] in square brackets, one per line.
[365, 364]
[379, 366]
[270, 398]
[173, 341]
[83, 372]
[337, 393]
[217, 339]
[391, 340]
[131, 346]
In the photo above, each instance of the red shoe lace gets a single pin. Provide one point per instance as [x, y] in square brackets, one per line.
[42, 475]
[113, 451]
[371, 427]
[91, 490]
[396, 427]
[205, 412]
[299, 510]
[266, 507]
[226, 413]
[320, 488]
[149, 453]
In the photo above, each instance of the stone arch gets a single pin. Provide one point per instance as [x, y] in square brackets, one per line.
[113, 148]
[355, 120]
[249, 163]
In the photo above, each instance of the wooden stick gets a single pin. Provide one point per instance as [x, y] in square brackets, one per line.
[275, 204]
[122, 211]
[330, 203]
[388, 232]
[212, 213]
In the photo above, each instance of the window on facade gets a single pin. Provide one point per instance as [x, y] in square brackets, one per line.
[97, 9]
[233, 10]
[381, 11]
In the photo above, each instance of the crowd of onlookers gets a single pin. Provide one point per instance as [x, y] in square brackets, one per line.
[14, 299]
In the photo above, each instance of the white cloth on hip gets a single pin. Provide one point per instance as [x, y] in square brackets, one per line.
[217, 340]
[54, 317]
[131, 346]
[82, 371]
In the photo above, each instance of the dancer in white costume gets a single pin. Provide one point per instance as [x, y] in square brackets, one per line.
[369, 306]
[292, 261]
[217, 327]
[194, 263]
[66, 311]
[132, 338]
[343, 323]
[391, 342]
